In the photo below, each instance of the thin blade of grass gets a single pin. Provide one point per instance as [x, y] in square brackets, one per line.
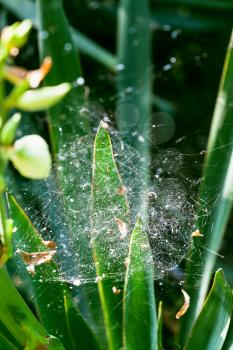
[139, 310]
[215, 196]
[210, 328]
[109, 217]
[75, 323]
[228, 343]
[6, 344]
[134, 73]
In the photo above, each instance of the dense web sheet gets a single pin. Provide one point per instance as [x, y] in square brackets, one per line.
[169, 219]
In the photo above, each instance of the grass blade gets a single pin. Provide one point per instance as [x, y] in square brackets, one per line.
[28, 239]
[26, 9]
[48, 290]
[59, 46]
[75, 323]
[67, 68]
[18, 318]
[134, 75]
[139, 320]
[211, 326]
[217, 180]
[110, 220]
[5, 344]
[228, 344]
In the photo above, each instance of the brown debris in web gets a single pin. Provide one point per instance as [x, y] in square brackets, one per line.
[116, 290]
[35, 259]
[122, 228]
[185, 306]
[197, 233]
[49, 244]
[122, 190]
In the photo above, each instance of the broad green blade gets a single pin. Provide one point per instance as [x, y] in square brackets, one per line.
[65, 119]
[215, 197]
[82, 338]
[47, 287]
[160, 326]
[68, 127]
[110, 225]
[18, 318]
[228, 344]
[139, 320]
[134, 73]
[6, 344]
[8, 337]
[210, 328]
[26, 9]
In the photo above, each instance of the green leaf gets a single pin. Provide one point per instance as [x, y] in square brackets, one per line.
[48, 290]
[210, 328]
[17, 317]
[139, 320]
[110, 223]
[216, 191]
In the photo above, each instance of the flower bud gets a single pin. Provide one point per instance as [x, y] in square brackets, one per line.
[43, 98]
[9, 129]
[16, 35]
[31, 157]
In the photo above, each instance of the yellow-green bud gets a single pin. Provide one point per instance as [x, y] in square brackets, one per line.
[9, 129]
[43, 98]
[31, 157]
[16, 35]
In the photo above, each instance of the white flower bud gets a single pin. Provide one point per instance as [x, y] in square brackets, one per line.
[31, 157]
[43, 98]
[16, 35]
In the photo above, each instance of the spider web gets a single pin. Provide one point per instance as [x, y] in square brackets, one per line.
[64, 216]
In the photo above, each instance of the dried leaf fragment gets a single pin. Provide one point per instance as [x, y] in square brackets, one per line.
[122, 190]
[49, 244]
[122, 228]
[34, 259]
[185, 306]
[116, 290]
[197, 233]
